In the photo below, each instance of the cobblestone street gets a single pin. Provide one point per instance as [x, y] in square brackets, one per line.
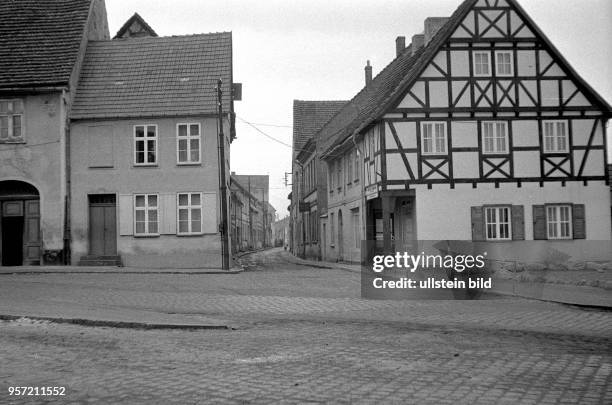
[301, 335]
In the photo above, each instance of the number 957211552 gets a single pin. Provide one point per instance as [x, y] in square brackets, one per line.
[37, 391]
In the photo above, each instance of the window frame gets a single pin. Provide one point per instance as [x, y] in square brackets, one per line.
[145, 139]
[146, 210]
[497, 72]
[557, 223]
[434, 152]
[488, 55]
[555, 137]
[189, 208]
[188, 137]
[497, 222]
[495, 138]
[10, 114]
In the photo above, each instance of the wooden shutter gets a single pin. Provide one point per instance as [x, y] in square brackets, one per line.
[209, 213]
[32, 244]
[578, 221]
[126, 214]
[539, 222]
[478, 224]
[518, 222]
[167, 212]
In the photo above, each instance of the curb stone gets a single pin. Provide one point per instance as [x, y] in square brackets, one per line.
[117, 324]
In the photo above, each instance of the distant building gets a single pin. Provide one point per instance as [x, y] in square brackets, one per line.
[251, 215]
[309, 184]
[42, 47]
[280, 232]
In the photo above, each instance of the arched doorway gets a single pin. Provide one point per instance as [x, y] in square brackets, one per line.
[20, 223]
[340, 238]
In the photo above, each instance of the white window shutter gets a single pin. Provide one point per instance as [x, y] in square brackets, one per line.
[126, 214]
[209, 213]
[167, 212]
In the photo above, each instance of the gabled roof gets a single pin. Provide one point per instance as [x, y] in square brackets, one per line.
[309, 117]
[39, 41]
[389, 85]
[154, 77]
[135, 26]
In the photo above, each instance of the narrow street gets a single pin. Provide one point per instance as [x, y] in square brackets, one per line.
[300, 335]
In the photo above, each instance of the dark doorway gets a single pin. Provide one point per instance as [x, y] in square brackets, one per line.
[102, 225]
[12, 241]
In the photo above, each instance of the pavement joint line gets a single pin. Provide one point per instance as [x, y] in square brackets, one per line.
[117, 324]
[193, 272]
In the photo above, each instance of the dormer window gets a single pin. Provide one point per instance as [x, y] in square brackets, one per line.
[11, 121]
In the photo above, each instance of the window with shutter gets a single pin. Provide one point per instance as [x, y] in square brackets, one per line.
[539, 222]
[477, 224]
[579, 221]
[518, 222]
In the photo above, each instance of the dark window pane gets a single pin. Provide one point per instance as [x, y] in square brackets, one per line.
[182, 130]
[139, 132]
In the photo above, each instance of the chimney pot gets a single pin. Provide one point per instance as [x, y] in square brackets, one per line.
[400, 45]
[432, 26]
[368, 73]
[418, 41]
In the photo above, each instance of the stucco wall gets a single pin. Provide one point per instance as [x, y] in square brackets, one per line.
[40, 162]
[445, 214]
[123, 178]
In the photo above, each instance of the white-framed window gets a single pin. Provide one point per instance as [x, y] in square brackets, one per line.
[339, 174]
[555, 136]
[498, 223]
[146, 214]
[188, 141]
[356, 166]
[495, 137]
[11, 121]
[559, 221]
[145, 145]
[332, 176]
[332, 226]
[504, 64]
[433, 138]
[349, 168]
[482, 63]
[189, 213]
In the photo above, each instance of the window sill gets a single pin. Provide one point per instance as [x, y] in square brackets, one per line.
[189, 163]
[12, 141]
[152, 235]
[182, 235]
[146, 165]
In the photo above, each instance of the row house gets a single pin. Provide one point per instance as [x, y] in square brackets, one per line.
[258, 185]
[42, 47]
[251, 218]
[479, 130]
[309, 195]
[144, 148]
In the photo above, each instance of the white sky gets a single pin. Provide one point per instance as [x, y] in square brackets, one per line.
[316, 50]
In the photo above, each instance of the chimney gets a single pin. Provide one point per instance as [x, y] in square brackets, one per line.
[433, 25]
[418, 41]
[400, 45]
[368, 73]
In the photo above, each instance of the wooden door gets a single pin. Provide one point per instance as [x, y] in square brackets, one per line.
[102, 226]
[31, 233]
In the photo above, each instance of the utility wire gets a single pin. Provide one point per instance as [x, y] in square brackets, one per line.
[263, 133]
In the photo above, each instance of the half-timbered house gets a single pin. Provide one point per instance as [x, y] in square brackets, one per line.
[309, 185]
[478, 130]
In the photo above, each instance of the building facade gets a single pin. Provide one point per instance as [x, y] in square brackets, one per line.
[42, 46]
[478, 130]
[251, 217]
[145, 167]
[309, 184]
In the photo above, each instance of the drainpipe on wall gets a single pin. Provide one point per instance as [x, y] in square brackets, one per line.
[363, 198]
[67, 198]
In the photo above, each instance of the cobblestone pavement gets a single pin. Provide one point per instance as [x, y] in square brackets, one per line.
[303, 336]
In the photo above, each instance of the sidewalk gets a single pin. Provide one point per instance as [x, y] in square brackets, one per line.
[110, 270]
[582, 295]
